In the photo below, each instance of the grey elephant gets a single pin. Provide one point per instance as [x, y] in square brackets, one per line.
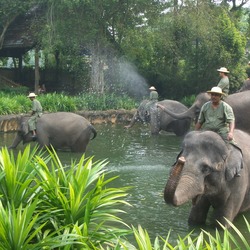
[160, 120]
[62, 130]
[240, 102]
[205, 172]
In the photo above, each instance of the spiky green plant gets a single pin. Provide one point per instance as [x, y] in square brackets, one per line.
[46, 204]
[17, 175]
[80, 195]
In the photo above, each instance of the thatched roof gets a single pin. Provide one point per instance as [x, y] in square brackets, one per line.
[20, 36]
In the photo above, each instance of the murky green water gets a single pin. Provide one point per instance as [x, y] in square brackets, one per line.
[141, 161]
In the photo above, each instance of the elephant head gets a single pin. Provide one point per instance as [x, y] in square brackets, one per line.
[143, 111]
[203, 173]
[22, 132]
[142, 114]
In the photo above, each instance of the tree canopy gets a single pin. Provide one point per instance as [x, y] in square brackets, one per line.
[126, 45]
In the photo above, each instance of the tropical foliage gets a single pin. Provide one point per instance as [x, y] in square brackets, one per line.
[53, 102]
[176, 46]
[45, 204]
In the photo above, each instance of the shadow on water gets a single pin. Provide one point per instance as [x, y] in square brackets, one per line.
[143, 162]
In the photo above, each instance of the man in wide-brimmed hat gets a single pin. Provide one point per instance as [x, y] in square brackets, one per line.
[153, 96]
[36, 112]
[224, 81]
[217, 115]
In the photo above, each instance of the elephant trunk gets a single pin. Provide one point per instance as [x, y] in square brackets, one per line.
[188, 189]
[16, 141]
[190, 113]
[173, 180]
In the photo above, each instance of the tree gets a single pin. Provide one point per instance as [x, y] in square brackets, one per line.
[97, 27]
[188, 44]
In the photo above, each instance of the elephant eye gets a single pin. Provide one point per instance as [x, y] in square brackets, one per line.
[206, 169]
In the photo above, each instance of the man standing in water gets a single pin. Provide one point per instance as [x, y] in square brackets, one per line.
[224, 81]
[36, 112]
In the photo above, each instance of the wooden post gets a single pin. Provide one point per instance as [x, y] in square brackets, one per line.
[37, 75]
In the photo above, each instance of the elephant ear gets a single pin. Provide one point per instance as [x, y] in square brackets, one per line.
[234, 162]
[24, 126]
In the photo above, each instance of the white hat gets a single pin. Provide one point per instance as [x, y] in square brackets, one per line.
[216, 90]
[152, 88]
[32, 95]
[223, 69]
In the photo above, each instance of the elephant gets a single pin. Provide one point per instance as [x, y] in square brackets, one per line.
[245, 86]
[206, 173]
[160, 120]
[61, 130]
[240, 102]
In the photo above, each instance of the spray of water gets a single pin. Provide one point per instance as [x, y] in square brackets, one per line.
[126, 79]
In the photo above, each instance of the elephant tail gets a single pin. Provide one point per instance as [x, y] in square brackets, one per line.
[93, 130]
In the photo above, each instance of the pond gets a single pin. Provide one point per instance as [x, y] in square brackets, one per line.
[143, 162]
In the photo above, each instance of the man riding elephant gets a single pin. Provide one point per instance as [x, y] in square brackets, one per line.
[36, 112]
[218, 116]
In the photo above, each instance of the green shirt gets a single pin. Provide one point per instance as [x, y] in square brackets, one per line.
[217, 119]
[224, 85]
[37, 107]
[153, 96]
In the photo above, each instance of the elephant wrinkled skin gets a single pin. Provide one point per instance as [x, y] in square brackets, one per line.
[160, 120]
[62, 130]
[205, 173]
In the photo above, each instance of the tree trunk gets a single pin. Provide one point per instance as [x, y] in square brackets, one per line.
[97, 71]
[37, 76]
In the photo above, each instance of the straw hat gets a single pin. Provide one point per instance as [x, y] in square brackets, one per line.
[216, 90]
[223, 69]
[152, 88]
[32, 95]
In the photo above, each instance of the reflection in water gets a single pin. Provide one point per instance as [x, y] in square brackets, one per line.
[143, 162]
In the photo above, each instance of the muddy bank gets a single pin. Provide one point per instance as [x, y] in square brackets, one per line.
[8, 123]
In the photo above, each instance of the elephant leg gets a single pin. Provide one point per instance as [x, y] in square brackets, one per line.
[78, 148]
[80, 145]
[43, 140]
[199, 211]
[228, 210]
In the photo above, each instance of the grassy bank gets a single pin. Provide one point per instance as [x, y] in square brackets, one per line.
[53, 102]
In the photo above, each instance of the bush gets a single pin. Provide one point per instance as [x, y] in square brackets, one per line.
[52, 102]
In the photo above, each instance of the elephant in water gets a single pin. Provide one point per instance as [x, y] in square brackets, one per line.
[159, 120]
[240, 102]
[62, 130]
[205, 172]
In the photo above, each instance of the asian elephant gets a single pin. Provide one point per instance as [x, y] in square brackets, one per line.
[206, 173]
[240, 102]
[62, 130]
[159, 120]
